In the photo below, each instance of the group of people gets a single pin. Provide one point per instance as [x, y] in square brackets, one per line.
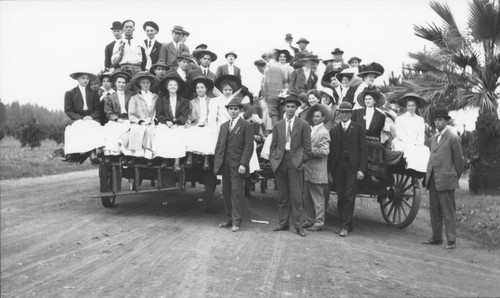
[324, 122]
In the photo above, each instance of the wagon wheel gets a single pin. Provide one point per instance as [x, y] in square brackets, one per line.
[108, 201]
[400, 207]
[209, 186]
[107, 185]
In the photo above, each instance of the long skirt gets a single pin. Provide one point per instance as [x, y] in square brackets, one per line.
[83, 136]
[201, 140]
[138, 141]
[113, 131]
[169, 142]
[417, 157]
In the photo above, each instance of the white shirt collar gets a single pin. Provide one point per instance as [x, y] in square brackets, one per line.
[346, 124]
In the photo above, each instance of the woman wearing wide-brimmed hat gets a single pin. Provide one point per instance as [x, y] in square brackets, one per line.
[105, 90]
[344, 91]
[201, 132]
[410, 133]
[142, 115]
[172, 112]
[229, 86]
[82, 106]
[368, 74]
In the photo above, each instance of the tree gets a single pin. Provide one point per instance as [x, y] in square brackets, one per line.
[31, 134]
[462, 70]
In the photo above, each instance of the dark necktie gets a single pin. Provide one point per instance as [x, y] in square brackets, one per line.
[149, 46]
[289, 131]
[129, 38]
[205, 72]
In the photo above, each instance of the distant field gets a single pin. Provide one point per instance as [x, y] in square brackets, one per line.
[17, 162]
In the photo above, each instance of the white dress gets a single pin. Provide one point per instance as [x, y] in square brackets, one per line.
[83, 136]
[410, 138]
[169, 142]
[113, 131]
[201, 136]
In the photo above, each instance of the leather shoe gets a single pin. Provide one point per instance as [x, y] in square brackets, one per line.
[343, 233]
[300, 232]
[307, 225]
[226, 224]
[235, 229]
[281, 228]
[450, 245]
[432, 242]
[314, 228]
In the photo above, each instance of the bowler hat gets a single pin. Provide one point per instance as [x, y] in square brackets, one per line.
[235, 102]
[151, 24]
[332, 73]
[372, 68]
[231, 53]
[260, 62]
[118, 73]
[158, 64]
[144, 75]
[185, 56]
[172, 76]
[78, 74]
[310, 57]
[201, 53]
[318, 107]
[302, 40]
[178, 29]
[231, 78]
[377, 96]
[337, 51]
[292, 98]
[354, 58]
[288, 36]
[419, 101]
[345, 106]
[209, 84]
[441, 113]
[116, 25]
[287, 55]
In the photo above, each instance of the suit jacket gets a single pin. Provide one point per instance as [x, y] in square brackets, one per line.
[108, 52]
[138, 109]
[73, 104]
[164, 112]
[155, 52]
[316, 169]
[198, 72]
[356, 143]
[446, 161]
[298, 80]
[224, 70]
[300, 145]
[234, 147]
[377, 124]
[112, 107]
[168, 53]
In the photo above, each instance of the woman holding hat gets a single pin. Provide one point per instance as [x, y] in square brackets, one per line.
[201, 132]
[229, 87]
[138, 142]
[368, 74]
[410, 133]
[82, 106]
[172, 112]
[116, 111]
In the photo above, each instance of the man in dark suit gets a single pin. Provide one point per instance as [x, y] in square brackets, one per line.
[229, 68]
[347, 163]
[170, 51]
[444, 168]
[232, 155]
[290, 149]
[151, 45]
[205, 57]
[108, 51]
[304, 79]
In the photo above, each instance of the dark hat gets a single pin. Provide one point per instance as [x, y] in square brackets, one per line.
[341, 74]
[372, 68]
[201, 53]
[231, 53]
[337, 51]
[157, 64]
[230, 78]
[419, 101]
[235, 102]
[116, 25]
[331, 73]
[245, 92]
[178, 29]
[345, 106]
[260, 62]
[103, 74]
[377, 96]
[186, 33]
[201, 46]
[288, 36]
[144, 75]
[354, 58]
[287, 55]
[185, 56]
[78, 74]
[310, 57]
[441, 113]
[292, 97]
[318, 107]
[151, 24]
[201, 79]
[172, 76]
[118, 73]
[302, 40]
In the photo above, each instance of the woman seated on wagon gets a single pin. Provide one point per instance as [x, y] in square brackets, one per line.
[229, 86]
[138, 142]
[85, 134]
[373, 120]
[172, 111]
[115, 109]
[105, 90]
[201, 132]
[410, 133]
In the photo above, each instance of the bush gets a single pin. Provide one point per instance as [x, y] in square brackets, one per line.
[30, 134]
[56, 133]
[2, 133]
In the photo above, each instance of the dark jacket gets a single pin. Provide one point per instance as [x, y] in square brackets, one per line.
[377, 124]
[235, 147]
[155, 52]
[73, 104]
[112, 107]
[299, 82]
[164, 112]
[108, 52]
[356, 143]
[169, 54]
[224, 70]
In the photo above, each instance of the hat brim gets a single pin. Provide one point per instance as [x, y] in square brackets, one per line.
[352, 59]
[290, 100]
[365, 73]
[344, 74]
[235, 56]
[239, 105]
[338, 53]
[377, 96]
[303, 41]
[180, 83]
[76, 75]
[232, 78]
[200, 53]
[201, 79]
[327, 76]
[120, 73]
[344, 110]
[402, 101]
[441, 116]
[318, 107]
[137, 79]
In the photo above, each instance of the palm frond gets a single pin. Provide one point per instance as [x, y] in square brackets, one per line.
[451, 34]
[484, 21]
[431, 33]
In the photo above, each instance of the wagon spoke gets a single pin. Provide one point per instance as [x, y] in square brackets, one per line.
[406, 203]
[404, 211]
[399, 212]
[407, 188]
[397, 179]
[394, 214]
[388, 202]
[390, 211]
[405, 181]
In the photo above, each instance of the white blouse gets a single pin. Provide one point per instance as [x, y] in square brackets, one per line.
[410, 129]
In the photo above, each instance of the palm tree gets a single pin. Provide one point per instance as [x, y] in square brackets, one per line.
[462, 70]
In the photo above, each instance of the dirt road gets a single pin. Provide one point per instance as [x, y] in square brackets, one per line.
[58, 242]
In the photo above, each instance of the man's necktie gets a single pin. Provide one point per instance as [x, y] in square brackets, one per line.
[149, 46]
[205, 72]
[231, 125]
[128, 38]
[289, 131]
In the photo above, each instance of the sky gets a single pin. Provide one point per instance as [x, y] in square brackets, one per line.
[42, 42]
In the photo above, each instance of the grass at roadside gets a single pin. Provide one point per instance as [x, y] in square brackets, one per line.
[17, 162]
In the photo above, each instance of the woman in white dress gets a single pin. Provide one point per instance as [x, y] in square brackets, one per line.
[410, 133]
[201, 126]
[138, 142]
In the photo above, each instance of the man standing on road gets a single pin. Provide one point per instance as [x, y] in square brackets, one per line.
[347, 163]
[290, 150]
[128, 52]
[445, 166]
[232, 155]
[108, 51]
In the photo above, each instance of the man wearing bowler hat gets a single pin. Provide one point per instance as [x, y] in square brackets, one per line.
[129, 52]
[151, 45]
[347, 163]
[116, 27]
[290, 150]
[229, 68]
[232, 157]
[444, 168]
[170, 51]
